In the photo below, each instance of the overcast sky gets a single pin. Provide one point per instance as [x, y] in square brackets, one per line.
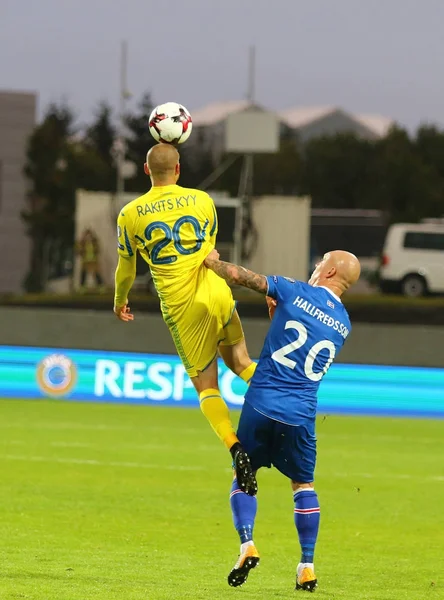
[372, 56]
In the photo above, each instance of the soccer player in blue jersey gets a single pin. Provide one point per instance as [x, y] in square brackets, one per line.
[277, 425]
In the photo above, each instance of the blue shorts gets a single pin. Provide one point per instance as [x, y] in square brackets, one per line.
[290, 448]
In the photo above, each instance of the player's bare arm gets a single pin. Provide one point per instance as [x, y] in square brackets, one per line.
[235, 274]
[125, 275]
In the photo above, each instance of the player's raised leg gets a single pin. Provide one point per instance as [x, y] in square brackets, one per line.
[216, 411]
[234, 353]
[233, 350]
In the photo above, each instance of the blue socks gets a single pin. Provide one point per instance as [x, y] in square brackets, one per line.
[306, 517]
[244, 509]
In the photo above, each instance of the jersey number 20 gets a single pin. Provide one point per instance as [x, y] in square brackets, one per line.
[281, 355]
[173, 235]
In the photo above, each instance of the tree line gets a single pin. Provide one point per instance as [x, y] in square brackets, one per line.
[401, 174]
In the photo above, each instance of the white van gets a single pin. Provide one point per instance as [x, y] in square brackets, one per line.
[413, 259]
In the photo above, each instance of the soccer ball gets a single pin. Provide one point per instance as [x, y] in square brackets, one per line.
[170, 123]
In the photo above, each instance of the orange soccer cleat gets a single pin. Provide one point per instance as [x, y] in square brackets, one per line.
[306, 578]
[249, 559]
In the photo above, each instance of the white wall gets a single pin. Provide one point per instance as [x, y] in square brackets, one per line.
[98, 211]
[283, 225]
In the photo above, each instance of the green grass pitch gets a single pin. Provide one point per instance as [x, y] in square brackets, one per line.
[110, 502]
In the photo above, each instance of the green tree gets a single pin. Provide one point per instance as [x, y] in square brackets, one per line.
[410, 187]
[280, 173]
[99, 165]
[139, 142]
[429, 143]
[60, 161]
[49, 167]
[396, 174]
[101, 134]
[339, 172]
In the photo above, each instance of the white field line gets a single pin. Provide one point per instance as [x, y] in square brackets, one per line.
[401, 439]
[72, 445]
[99, 446]
[66, 425]
[400, 476]
[100, 463]
[322, 435]
[137, 465]
[89, 427]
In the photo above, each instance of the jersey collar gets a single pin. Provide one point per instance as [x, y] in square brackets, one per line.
[332, 293]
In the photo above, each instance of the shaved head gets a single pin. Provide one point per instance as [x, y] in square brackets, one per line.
[337, 270]
[348, 268]
[162, 164]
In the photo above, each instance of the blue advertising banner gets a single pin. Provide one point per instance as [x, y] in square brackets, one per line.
[119, 377]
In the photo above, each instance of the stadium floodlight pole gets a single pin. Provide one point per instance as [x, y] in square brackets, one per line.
[251, 74]
[246, 179]
[120, 153]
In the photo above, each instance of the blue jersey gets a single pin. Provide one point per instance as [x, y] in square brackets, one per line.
[306, 333]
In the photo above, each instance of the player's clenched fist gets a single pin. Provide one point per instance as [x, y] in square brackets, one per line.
[271, 303]
[123, 313]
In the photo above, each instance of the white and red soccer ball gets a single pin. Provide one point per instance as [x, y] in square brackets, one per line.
[170, 123]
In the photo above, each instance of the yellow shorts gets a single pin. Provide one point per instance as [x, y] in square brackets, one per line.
[203, 322]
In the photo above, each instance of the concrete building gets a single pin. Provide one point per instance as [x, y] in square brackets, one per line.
[316, 121]
[17, 120]
[209, 126]
[305, 122]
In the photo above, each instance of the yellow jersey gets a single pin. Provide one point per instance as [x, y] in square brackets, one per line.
[174, 229]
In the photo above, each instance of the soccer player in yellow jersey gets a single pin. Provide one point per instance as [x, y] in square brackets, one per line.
[175, 229]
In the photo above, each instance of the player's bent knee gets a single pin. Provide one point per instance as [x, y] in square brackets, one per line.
[236, 359]
[297, 486]
[206, 379]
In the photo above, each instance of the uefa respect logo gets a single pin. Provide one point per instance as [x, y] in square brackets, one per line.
[56, 375]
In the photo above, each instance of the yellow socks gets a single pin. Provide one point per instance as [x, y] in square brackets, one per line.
[216, 411]
[248, 373]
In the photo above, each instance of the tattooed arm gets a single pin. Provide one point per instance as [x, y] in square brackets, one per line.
[236, 275]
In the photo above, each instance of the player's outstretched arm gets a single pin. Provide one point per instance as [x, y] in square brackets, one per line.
[125, 275]
[235, 274]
